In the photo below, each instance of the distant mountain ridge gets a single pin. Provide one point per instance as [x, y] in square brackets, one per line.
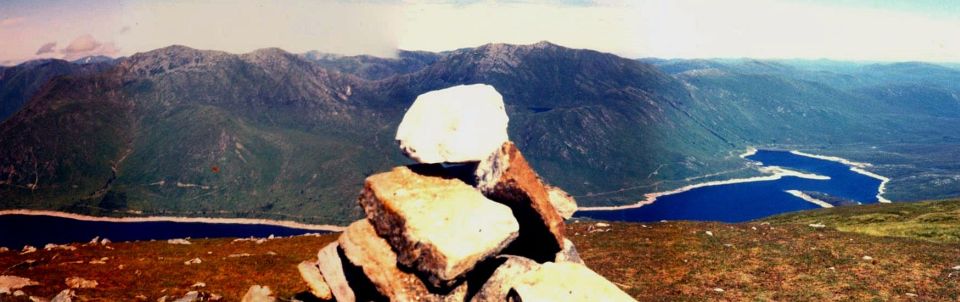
[180, 131]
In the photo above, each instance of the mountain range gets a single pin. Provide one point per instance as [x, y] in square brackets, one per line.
[272, 134]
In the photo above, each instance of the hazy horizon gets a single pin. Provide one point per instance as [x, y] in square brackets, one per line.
[854, 30]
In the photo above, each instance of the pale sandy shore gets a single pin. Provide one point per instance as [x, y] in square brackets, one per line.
[281, 223]
[774, 171]
[856, 167]
[809, 198]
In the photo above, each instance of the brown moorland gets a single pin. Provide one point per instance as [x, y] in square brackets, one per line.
[787, 258]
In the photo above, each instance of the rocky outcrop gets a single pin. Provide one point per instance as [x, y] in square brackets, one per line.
[440, 226]
[505, 176]
[454, 125]
[482, 231]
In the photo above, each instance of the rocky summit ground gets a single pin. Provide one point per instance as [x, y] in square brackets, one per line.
[800, 257]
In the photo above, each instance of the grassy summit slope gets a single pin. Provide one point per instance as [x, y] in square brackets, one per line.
[782, 259]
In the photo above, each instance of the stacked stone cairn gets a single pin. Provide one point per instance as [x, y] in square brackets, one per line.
[472, 221]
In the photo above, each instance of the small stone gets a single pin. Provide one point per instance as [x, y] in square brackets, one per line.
[105, 241]
[4, 249]
[911, 295]
[562, 201]
[496, 287]
[28, 249]
[94, 241]
[817, 225]
[565, 282]
[9, 283]
[141, 297]
[506, 177]
[190, 296]
[64, 296]
[709, 233]
[51, 246]
[956, 268]
[178, 241]
[569, 253]
[363, 248]
[454, 125]
[439, 226]
[258, 293]
[310, 274]
[199, 285]
[193, 261]
[867, 258]
[328, 261]
[717, 289]
[77, 282]
[19, 293]
[602, 225]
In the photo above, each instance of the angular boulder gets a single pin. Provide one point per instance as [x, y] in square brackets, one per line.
[499, 283]
[328, 261]
[310, 274]
[364, 248]
[438, 226]
[506, 177]
[569, 253]
[562, 201]
[564, 281]
[454, 125]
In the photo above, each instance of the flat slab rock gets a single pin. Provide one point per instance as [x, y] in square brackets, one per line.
[454, 125]
[331, 268]
[438, 226]
[506, 177]
[310, 273]
[564, 281]
[364, 248]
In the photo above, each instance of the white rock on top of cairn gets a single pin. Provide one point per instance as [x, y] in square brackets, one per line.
[454, 125]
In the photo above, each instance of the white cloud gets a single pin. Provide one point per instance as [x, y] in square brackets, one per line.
[641, 28]
[12, 21]
[86, 45]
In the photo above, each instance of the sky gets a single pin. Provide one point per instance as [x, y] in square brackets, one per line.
[909, 30]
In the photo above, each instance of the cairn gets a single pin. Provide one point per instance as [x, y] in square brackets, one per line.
[472, 221]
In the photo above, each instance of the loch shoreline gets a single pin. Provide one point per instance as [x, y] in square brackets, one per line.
[775, 173]
[210, 220]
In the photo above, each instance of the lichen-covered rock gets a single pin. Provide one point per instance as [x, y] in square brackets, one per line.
[562, 201]
[506, 177]
[454, 125]
[439, 226]
[569, 253]
[565, 281]
[328, 261]
[311, 275]
[364, 248]
[498, 284]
